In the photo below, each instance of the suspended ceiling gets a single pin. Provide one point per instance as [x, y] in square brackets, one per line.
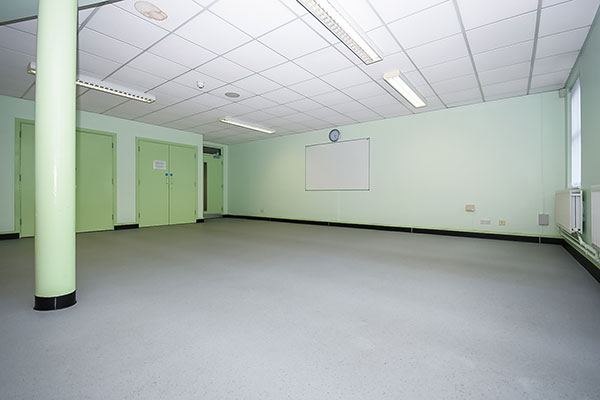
[293, 75]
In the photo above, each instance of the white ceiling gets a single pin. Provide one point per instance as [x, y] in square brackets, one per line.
[293, 75]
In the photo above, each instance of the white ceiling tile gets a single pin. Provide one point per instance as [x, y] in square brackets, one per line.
[158, 66]
[417, 29]
[349, 55]
[468, 95]
[299, 117]
[393, 10]
[548, 3]
[553, 78]
[448, 70]
[98, 102]
[210, 101]
[384, 41]
[504, 56]
[257, 116]
[182, 51]
[561, 42]
[177, 11]
[364, 90]
[394, 110]
[332, 98]
[349, 107]
[312, 87]
[554, 63]
[365, 116]
[191, 79]
[379, 100]
[224, 70]
[544, 89]
[324, 61]
[287, 74]
[14, 81]
[460, 103]
[119, 24]
[280, 111]
[503, 33]
[346, 78]
[282, 96]
[16, 40]
[257, 84]
[433, 103]
[501, 96]
[135, 79]
[29, 26]
[133, 109]
[506, 87]
[176, 91]
[244, 94]
[294, 40]
[88, 63]
[440, 51]
[258, 102]
[106, 47]
[414, 78]
[362, 14]
[425, 91]
[508, 73]
[456, 84]
[477, 13]
[204, 28]
[255, 56]
[396, 61]
[254, 17]
[567, 16]
[304, 105]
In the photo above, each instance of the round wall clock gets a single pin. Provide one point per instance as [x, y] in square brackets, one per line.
[334, 135]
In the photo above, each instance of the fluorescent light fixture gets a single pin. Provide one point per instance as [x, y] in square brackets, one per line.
[95, 84]
[246, 125]
[395, 81]
[333, 18]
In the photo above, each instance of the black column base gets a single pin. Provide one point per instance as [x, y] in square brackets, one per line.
[54, 303]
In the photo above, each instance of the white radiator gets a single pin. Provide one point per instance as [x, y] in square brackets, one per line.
[568, 206]
[596, 215]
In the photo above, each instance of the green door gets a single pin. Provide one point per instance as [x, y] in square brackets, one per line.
[94, 182]
[183, 180]
[213, 185]
[153, 183]
[95, 190]
[27, 179]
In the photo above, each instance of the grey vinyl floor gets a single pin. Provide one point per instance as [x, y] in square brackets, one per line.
[236, 309]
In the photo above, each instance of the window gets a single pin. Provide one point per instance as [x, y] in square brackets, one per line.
[575, 98]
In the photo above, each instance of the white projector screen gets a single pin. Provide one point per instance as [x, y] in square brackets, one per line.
[338, 166]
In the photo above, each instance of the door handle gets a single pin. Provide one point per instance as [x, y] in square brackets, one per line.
[172, 179]
[167, 180]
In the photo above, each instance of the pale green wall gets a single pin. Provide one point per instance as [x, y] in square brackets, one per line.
[126, 132]
[507, 157]
[586, 69]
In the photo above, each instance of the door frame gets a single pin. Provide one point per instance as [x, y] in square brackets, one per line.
[138, 140]
[17, 182]
[222, 176]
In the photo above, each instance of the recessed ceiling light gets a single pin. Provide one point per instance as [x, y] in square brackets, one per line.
[246, 125]
[395, 81]
[91, 83]
[232, 94]
[149, 10]
[333, 18]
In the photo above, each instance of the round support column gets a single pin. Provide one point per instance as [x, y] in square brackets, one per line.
[55, 154]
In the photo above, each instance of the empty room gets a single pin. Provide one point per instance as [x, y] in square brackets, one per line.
[299, 199]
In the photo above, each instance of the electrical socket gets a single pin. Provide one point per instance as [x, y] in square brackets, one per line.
[502, 222]
[470, 207]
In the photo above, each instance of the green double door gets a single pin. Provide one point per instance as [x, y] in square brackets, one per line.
[213, 184]
[167, 183]
[94, 180]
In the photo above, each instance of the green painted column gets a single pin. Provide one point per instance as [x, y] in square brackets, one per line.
[55, 155]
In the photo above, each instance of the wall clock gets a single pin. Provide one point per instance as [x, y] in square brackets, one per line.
[334, 135]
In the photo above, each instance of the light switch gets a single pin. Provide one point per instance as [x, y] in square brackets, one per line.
[470, 208]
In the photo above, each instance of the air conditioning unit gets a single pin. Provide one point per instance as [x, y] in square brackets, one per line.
[569, 210]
